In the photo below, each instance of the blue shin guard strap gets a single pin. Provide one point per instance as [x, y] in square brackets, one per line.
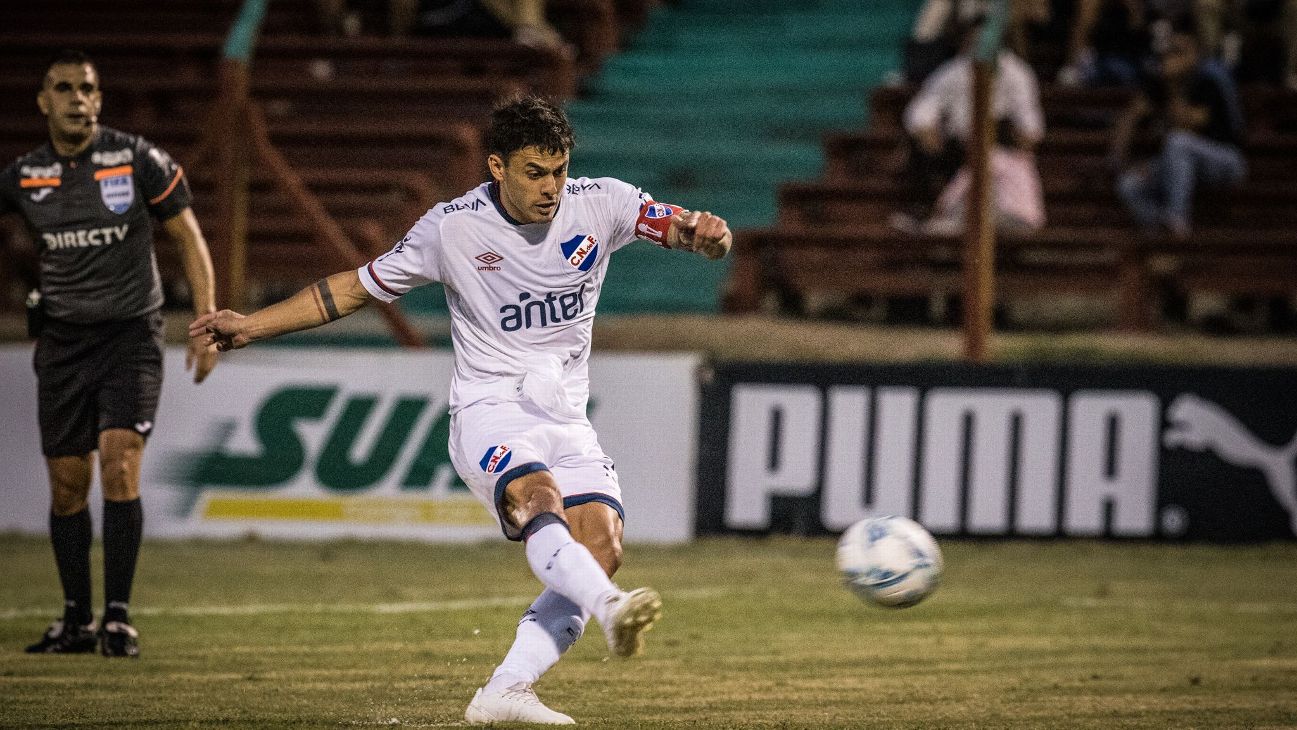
[544, 519]
[501, 484]
[579, 499]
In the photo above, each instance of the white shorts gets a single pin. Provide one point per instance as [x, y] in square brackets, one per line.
[494, 442]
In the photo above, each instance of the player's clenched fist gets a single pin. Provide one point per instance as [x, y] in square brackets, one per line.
[701, 232]
[223, 329]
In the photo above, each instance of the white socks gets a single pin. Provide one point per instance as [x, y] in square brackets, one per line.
[575, 587]
[549, 627]
[566, 567]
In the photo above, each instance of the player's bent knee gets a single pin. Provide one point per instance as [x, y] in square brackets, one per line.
[526, 491]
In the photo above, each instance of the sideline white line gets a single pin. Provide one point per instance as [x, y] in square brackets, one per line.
[262, 609]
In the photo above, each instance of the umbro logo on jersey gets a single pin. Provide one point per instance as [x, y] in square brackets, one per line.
[496, 459]
[581, 251]
[41, 194]
[489, 260]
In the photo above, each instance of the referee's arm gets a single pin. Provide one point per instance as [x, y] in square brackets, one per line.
[320, 303]
[197, 261]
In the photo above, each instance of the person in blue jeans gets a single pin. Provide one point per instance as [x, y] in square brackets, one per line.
[1193, 104]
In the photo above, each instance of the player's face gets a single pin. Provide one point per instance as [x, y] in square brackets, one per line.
[531, 183]
[70, 99]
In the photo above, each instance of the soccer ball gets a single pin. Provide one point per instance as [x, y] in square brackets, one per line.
[889, 561]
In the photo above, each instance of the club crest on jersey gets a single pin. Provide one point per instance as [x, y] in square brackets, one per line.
[657, 210]
[496, 459]
[581, 251]
[117, 192]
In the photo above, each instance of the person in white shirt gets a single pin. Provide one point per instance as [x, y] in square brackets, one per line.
[522, 259]
[939, 117]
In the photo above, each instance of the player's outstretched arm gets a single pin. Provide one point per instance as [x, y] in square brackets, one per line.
[700, 232]
[320, 303]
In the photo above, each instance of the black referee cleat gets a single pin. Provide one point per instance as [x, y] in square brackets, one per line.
[64, 638]
[119, 638]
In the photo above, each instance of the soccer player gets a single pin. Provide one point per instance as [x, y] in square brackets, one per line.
[522, 259]
[87, 196]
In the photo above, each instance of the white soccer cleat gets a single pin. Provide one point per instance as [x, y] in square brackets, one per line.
[518, 703]
[629, 616]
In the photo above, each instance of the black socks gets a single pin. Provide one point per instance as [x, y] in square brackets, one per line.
[123, 524]
[70, 535]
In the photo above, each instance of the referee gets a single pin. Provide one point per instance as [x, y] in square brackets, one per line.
[88, 196]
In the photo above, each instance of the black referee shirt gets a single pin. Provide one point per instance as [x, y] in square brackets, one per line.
[90, 217]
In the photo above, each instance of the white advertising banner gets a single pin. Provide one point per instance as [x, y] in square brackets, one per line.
[319, 443]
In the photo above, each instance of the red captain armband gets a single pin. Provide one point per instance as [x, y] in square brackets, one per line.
[654, 221]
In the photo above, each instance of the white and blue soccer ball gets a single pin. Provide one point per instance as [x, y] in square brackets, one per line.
[889, 561]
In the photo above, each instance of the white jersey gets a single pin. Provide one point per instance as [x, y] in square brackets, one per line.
[522, 297]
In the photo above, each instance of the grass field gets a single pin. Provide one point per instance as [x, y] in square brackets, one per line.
[757, 633]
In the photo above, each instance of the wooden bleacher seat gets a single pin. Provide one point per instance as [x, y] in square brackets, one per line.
[365, 57]
[872, 260]
[858, 154]
[378, 128]
[1069, 201]
[393, 199]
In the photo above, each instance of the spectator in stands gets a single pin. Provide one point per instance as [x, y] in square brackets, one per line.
[1256, 39]
[939, 120]
[1110, 40]
[522, 20]
[937, 28]
[1194, 107]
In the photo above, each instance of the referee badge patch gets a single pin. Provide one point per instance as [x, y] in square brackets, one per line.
[116, 188]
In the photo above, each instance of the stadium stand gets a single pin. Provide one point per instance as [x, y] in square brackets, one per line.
[378, 128]
[832, 238]
[713, 105]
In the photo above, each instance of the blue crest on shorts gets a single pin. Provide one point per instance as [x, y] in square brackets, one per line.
[496, 459]
[117, 192]
[581, 251]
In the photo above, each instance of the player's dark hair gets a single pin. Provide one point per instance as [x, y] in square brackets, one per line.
[528, 121]
[70, 57]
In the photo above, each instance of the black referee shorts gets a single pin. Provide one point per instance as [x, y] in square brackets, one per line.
[92, 377]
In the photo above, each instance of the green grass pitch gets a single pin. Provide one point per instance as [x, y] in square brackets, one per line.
[756, 633]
